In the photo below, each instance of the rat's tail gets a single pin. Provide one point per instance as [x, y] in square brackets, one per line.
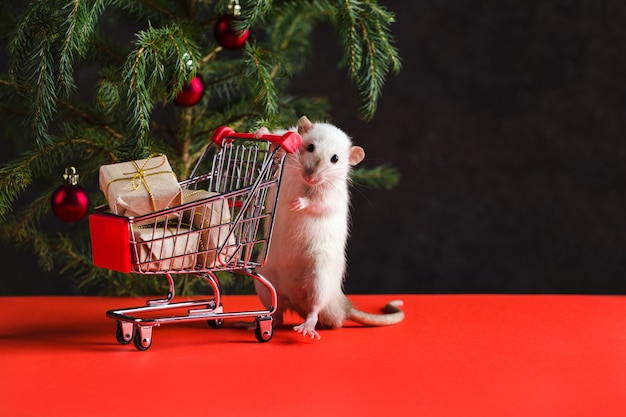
[393, 314]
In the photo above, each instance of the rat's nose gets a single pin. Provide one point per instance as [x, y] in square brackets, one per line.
[311, 180]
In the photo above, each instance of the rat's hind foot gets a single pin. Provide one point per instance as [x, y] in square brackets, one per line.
[308, 327]
[304, 330]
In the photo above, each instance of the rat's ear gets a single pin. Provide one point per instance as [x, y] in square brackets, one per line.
[356, 155]
[304, 125]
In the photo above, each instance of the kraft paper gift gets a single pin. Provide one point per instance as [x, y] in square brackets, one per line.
[213, 220]
[135, 188]
[165, 249]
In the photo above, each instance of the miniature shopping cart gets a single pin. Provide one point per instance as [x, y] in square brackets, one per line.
[224, 224]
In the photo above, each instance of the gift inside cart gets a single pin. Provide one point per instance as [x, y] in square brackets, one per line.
[224, 223]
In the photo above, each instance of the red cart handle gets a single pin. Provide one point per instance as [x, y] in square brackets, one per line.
[290, 141]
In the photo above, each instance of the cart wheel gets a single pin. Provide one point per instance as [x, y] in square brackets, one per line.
[143, 338]
[122, 336]
[216, 324]
[264, 330]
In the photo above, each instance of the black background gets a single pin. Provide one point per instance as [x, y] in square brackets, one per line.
[508, 126]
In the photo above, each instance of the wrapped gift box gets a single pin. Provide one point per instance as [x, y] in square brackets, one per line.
[213, 220]
[191, 241]
[135, 188]
[165, 249]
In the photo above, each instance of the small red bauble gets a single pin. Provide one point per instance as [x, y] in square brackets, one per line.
[192, 93]
[70, 202]
[228, 37]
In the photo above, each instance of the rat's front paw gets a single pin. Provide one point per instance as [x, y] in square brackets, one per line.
[298, 204]
[261, 132]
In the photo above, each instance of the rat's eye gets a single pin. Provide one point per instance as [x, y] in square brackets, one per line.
[310, 147]
[334, 159]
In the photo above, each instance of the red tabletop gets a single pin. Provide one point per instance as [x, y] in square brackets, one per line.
[455, 355]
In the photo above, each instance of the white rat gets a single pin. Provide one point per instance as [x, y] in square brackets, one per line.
[306, 260]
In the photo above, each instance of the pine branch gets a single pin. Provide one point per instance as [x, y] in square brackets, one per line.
[108, 94]
[80, 22]
[258, 69]
[89, 119]
[291, 27]
[36, 239]
[23, 226]
[251, 11]
[12, 85]
[18, 174]
[151, 10]
[32, 49]
[381, 177]
[75, 258]
[222, 78]
[364, 32]
[12, 183]
[162, 56]
[104, 52]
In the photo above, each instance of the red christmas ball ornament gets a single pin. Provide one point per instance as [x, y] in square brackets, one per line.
[70, 202]
[227, 36]
[192, 93]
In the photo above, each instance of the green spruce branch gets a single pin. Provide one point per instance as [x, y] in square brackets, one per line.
[164, 58]
[364, 29]
[18, 174]
[80, 23]
[259, 69]
[382, 177]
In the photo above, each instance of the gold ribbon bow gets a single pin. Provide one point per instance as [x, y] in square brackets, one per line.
[139, 176]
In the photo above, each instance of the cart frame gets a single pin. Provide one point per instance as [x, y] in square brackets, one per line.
[243, 168]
